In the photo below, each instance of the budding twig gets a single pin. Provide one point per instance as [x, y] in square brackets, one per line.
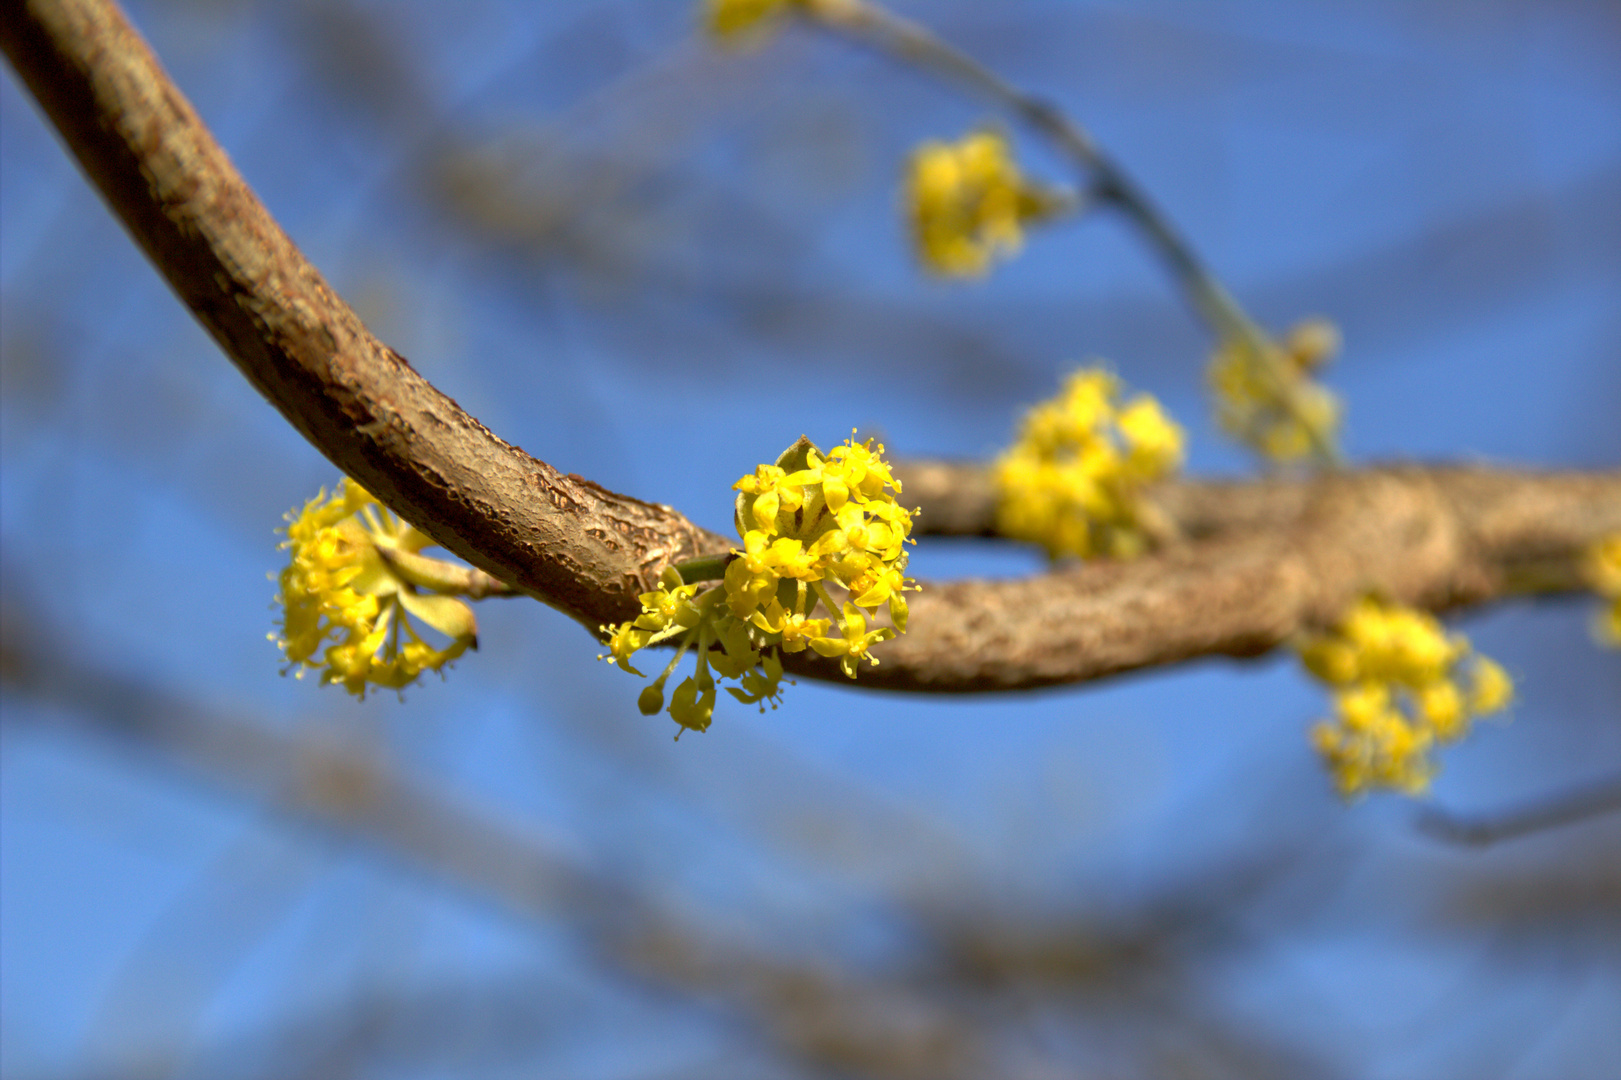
[1105, 182]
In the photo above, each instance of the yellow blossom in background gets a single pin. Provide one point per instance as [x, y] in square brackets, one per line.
[734, 20]
[1266, 396]
[1073, 481]
[809, 523]
[1402, 686]
[1603, 572]
[968, 204]
[347, 604]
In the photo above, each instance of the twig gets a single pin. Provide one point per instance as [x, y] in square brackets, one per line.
[910, 41]
[1106, 182]
[1275, 558]
[1561, 808]
[959, 498]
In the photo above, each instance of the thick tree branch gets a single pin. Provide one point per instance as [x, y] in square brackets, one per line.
[1271, 558]
[1522, 516]
[1263, 561]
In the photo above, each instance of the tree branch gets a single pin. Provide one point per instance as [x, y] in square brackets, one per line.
[1273, 558]
[567, 541]
[1566, 807]
[1267, 559]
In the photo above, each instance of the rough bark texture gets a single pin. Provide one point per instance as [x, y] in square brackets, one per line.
[1268, 559]
[1259, 561]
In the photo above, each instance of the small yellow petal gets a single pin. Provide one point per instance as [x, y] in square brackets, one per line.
[1490, 687]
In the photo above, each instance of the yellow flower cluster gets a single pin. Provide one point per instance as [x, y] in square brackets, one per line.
[968, 203]
[1266, 397]
[806, 521]
[1073, 480]
[1604, 573]
[1402, 686]
[341, 586]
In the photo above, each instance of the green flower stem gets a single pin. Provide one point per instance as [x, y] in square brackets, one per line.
[438, 576]
[703, 568]
[832, 609]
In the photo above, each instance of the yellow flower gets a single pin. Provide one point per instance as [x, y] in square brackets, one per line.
[853, 645]
[1331, 660]
[968, 204]
[354, 578]
[1265, 396]
[813, 517]
[1073, 481]
[873, 529]
[666, 611]
[1372, 744]
[795, 630]
[1399, 691]
[1400, 645]
[670, 606]
[1441, 705]
[833, 518]
[805, 521]
[1490, 687]
[1312, 343]
[862, 469]
[883, 585]
[754, 574]
[693, 703]
[1154, 442]
[760, 684]
[623, 641]
[1603, 571]
[736, 20]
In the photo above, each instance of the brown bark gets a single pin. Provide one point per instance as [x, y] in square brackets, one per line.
[1264, 559]
[1270, 559]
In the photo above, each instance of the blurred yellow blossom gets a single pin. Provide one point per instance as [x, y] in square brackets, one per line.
[1603, 571]
[734, 20]
[355, 578]
[809, 521]
[969, 203]
[1266, 396]
[1073, 481]
[1402, 686]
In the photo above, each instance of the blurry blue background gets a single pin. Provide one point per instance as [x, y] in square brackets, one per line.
[654, 263]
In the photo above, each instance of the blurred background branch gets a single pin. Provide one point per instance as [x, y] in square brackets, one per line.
[946, 1006]
[1576, 803]
[1103, 179]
